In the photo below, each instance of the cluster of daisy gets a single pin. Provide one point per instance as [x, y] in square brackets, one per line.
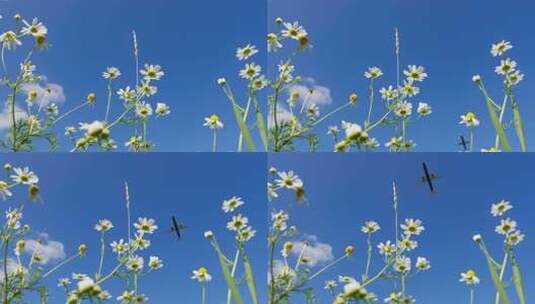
[26, 268]
[508, 70]
[244, 232]
[130, 265]
[398, 111]
[136, 112]
[256, 81]
[285, 180]
[512, 237]
[397, 265]
[32, 118]
[35, 117]
[294, 270]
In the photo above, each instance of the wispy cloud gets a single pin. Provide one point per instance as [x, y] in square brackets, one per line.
[48, 249]
[47, 92]
[316, 251]
[312, 93]
[5, 116]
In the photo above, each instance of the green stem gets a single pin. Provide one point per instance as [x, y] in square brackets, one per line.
[502, 273]
[331, 113]
[60, 265]
[6, 281]
[471, 140]
[502, 113]
[472, 295]
[69, 112]
[214, 140]
[203, 293]
[369, 258]
[370, 106]
[108, 105]
[102, 252]
[232, 273]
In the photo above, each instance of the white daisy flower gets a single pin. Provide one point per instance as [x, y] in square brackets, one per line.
[293, 30]
[145, 225]
[506, 226]
[500, 48]
[10, 40]
[135, 263]
[373, 73]
[415, 73]
[162, 109]
[24, 176]
[155, 262]
[111, 73]
[370, 227]
[412, 227]
[424, 109]
[213, 122]
[232, 204]
[35, 28]
[4, 190]
[250, 71]
[246, 52]
[237, 223]
[152, 72]
[422, 264]
[469, 277]
[103, 225]
[143, 110]
[201, 275]
[500, 208]
[506, 66]
[469, 119]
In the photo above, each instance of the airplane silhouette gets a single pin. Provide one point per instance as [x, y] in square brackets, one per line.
[463, 142]
[177, 227]
[428, 178]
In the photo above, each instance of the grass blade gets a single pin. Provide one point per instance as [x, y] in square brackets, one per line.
[231, 283]
[519, 126]
[504, 142]
[498, 284]
[517, 280]
[261, 124]
[243, 127]
[250, 278]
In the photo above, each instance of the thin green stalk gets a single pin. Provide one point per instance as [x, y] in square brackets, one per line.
[272, 271]
[370, 106]
[245, 116]
[214, 140]
[402, 279]
[233, 273]
[369, 257]
[111, 274]
[60, 265]
[471, 140]
[203, 293]
[78, 107]
[102, 252]
[331, 113]
[327, 267]
[116, 121]
[381, 120]
[6, 281]
[500, 119]
[13, 117]
[502, 273]
[379, 274]
[472, 295]
[108, 105]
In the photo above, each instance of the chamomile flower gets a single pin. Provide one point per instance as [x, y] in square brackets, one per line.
[498, 49]
[201, 275]
[119, 247]
[373, 73]
[506, 66]
[111, 73]
[422, 264]
[213, 122]
[10, 40]
[407, 243]
[246, 52]
[246, 234]
[237, 223]
[469, 119]
[288, 180]
[145, 225]
[260, 82]
[330, 285]
[402, 264]
[162, 109]
[36, 28]
[500, 208]
[103, 225]
[135, 263]
[353, 131]
[250, 71]
[232, 204]
[469, 277]
[370, 227]
[506, 226]
[514, 78]
[403, 109]
[412, 227]
[24, 176]
[514, 238]
[409, 89]
[155, 262]
[143, 110]
[64, 282]
[126, 94]
[415, 73]
[146, 89]
[273, 42]
[386, 248]
[293, 30]
[4, 190]
[389, 93]
[152, 72]
[424, 109]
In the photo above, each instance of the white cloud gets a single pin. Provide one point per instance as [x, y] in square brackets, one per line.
[48, 249]
[47, 92]
[312, 93]
[5, 116]
[283, 115]
[316, 251]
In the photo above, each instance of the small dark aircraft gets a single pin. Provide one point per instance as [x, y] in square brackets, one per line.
[428, 178]
[177, 227]
[464, 143]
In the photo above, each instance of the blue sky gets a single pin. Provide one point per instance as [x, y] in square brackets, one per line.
[77, 190]
[450, 38]
[346, 190]
[194, 42]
